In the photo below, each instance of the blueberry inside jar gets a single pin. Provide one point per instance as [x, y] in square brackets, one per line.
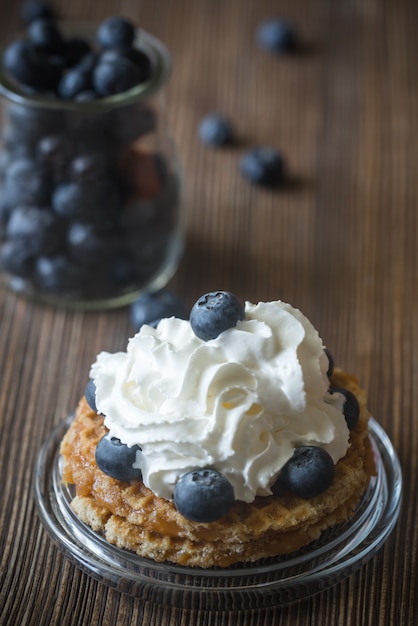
[90, 186]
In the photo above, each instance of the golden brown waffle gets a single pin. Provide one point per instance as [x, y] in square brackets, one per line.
[130, 516]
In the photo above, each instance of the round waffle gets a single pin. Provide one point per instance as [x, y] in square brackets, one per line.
[131, 516]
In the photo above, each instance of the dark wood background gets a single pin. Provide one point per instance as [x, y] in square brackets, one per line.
[339, 241]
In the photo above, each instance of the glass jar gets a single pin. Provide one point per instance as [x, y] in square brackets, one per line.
[90, 192]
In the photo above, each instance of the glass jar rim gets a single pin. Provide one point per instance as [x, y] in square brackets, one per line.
[161, 69]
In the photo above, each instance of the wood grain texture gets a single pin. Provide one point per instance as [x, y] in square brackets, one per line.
[339, 241]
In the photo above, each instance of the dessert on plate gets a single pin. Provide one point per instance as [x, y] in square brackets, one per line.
[226, 438]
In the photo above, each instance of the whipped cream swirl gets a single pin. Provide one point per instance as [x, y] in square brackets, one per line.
[239, 403]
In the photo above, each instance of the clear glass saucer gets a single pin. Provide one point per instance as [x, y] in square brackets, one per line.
[337, 554]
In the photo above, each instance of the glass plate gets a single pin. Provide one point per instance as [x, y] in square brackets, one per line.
[337, 554]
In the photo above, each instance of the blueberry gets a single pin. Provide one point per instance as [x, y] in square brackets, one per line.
[330, 362]
[78, 78]
[351, 408]
[26, 65]
[88, 62]
[276, 35]
[97, 201]
[115, 31]
[27, 183]
[86, 245]
[38, 227]
[134, 55]
[262, 166]
[115, 459]
[56, 274]
[66, 200]
[90, 394]
[203, 495]
[16, 258]
[215, 312]
[74, 82]
[54, 153]
[89, 166]
[215, 130]
[34, 9]
[117, 76]
[308, 473]
[45, 34]
[151, 307]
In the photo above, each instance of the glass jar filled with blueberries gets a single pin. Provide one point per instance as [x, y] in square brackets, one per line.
[89, 178]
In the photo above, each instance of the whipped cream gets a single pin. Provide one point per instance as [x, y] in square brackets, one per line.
[239, 403]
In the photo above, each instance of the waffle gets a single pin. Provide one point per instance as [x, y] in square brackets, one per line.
[131, 516]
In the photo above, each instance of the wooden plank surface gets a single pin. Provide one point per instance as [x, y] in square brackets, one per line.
[338, 241]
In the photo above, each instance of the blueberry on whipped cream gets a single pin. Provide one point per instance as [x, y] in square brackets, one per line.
[228, 412]
[215, 312]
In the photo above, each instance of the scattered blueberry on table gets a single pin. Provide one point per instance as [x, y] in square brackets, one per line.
[215, 130]
[263, 166]
[277, 35]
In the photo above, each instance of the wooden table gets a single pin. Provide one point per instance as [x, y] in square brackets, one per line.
[338, 240]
